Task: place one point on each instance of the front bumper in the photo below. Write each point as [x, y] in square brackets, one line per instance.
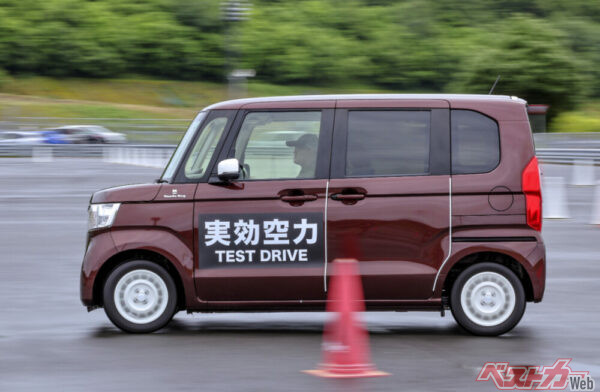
[101, 247]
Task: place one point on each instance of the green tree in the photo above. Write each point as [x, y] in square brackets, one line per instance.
[547, 51]
[533, 61]
[583, 39]
[296, 45]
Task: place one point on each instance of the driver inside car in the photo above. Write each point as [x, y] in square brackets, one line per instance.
[305, 154]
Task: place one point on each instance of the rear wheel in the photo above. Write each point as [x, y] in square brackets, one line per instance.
[487, 299]
[140, 296]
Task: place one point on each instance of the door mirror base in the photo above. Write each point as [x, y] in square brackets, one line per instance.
[214, 180]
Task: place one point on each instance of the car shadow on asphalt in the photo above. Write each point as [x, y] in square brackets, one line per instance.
[178, 327]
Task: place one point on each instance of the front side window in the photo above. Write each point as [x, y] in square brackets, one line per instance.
[169, 172]
[388, 143]
[475, 143]
[278, 145]
[202, 152]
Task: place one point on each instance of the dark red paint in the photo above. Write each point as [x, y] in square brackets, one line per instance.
[399, 230]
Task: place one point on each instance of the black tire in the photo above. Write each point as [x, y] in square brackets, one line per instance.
[479, 327]
[148, 276]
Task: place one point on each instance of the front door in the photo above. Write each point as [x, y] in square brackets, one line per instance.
[389, 194]
[261, 239]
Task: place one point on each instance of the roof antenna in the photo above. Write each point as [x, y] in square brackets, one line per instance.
[494, 86]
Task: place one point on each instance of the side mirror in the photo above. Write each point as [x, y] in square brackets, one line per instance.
[228, 169]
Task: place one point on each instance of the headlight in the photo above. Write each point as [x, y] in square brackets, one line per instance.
[102, 215]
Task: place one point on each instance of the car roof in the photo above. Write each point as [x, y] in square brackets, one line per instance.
[239, 103]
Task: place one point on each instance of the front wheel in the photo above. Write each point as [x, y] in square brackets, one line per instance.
[487, 299]
[140, 296]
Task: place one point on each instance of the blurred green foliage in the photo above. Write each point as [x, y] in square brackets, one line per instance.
[540, 69]
[584, 119]
[547, 51]
[3, 77]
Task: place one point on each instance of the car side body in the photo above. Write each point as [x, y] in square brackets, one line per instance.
[414, 232]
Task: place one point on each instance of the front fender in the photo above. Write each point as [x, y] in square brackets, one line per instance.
[106, 246]
[100, 248]
[165, 243]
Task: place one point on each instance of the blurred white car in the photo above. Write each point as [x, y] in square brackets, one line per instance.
[84, 134]
[11, 138]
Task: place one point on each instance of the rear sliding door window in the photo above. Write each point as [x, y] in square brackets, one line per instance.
[388, 143]
[475, 142]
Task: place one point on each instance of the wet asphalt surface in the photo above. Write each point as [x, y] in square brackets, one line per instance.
[48, 341]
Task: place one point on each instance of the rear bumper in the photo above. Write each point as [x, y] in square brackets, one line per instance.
[537, 271]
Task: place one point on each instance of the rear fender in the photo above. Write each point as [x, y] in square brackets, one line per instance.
[518, 251]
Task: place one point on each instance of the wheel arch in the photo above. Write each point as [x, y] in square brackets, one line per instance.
[137, 254]
[488, 256]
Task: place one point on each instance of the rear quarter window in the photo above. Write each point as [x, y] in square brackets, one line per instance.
[475, 142]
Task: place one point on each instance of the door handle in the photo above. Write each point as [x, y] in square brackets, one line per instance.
[299, 198]
[348, 196]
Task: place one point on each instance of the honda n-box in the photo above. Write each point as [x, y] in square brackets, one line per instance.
[437, 197]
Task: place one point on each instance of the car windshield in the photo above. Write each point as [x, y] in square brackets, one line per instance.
[182, 148]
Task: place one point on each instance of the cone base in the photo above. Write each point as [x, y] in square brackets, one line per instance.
[326, 373]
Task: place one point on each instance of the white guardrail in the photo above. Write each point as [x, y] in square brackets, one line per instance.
[152, 155]
[570, 140]
[567, 148]
[568, 155]
[561, 148]
[160, 153]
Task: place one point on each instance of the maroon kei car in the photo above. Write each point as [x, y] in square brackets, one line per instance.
[437, 196]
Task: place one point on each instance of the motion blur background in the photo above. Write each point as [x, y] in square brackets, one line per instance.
[143, 68]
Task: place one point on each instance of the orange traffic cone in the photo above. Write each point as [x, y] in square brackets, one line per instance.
[345, 340]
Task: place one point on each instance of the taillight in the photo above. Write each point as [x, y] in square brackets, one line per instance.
[533, 194]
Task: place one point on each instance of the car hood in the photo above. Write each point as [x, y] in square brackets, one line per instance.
[127, 193]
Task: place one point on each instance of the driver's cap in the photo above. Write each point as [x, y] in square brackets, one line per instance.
[307, 141]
